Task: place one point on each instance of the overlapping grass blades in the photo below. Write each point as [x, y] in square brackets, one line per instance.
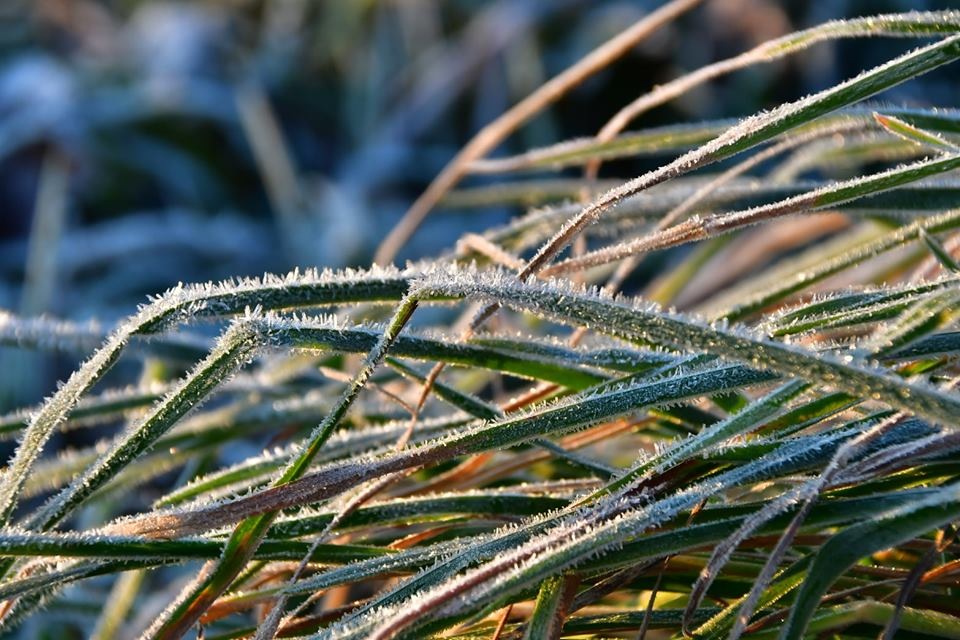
[584, 449]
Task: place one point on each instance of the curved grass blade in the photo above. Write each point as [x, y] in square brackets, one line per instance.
[548, 615]
[604, 146]
[923, 622]
[860, 540]
[247, 536]
[751, 132]
[908, 132]
[547, 550]
[177, 305]
[851, 309]
[920, 319]
[697, 228]
[237, 346]
[756, 301]
[81, 545]
[556, 418]
[644, 323]
[907, 24]
[648, 142]
[748, 418]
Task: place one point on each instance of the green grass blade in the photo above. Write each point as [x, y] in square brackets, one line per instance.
[178, 305]
[855, 542]
[644, 323]
[715, 225]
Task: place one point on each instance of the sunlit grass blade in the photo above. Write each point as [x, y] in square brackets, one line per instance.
[643, 323]
[920, 319]
[857, 541]
[914, 134]
[548, 611]
[553, 419]
[575, 152]
[758, 300]
[696, 229]
[176, 306]
[849, 309]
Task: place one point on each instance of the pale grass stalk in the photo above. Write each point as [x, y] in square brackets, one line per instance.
[497, 131]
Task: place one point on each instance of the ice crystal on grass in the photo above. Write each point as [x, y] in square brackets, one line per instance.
[561, 441]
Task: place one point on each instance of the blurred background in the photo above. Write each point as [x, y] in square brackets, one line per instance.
[144, 143]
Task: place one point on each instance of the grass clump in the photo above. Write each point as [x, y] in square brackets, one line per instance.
[770, 451]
